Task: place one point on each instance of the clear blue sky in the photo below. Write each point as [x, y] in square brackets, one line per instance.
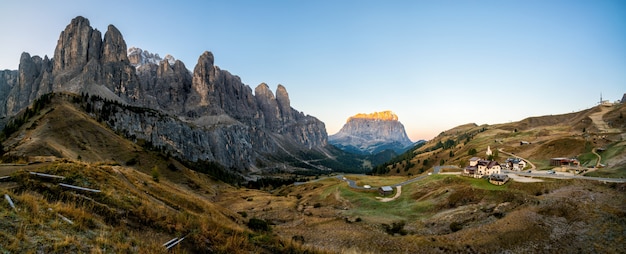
[436, 64]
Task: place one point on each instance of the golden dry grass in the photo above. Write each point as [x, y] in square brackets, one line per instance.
[518, 217]
[132, 213]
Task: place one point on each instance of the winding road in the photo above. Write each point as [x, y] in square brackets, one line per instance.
[352, 183]
[559, 176]
[599, 157]
[437, 169]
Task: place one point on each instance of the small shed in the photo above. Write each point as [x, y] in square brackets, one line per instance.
[385, 190]
[498, 179]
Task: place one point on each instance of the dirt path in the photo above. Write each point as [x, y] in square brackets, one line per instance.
[599, 157]
[597, 119]
[398, 193]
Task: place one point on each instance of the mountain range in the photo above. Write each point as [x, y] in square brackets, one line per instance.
[122, 151]
[206, 114]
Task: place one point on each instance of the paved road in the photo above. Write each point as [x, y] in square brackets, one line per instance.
[437, 169]
[352, 183]
[559, 176]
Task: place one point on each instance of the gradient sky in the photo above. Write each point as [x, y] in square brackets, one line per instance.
[436, 64]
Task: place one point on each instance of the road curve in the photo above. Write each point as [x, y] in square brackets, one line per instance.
[597, 155]
[353, 184]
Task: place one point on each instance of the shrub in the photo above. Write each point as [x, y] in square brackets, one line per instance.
[133, 161]
[172, 167]
[395, 228]
[259, 225]
[456, 226]
[298, 239]
[243, 214]
[155, 174]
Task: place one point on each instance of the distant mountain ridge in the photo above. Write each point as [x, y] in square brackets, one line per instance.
[371, 134]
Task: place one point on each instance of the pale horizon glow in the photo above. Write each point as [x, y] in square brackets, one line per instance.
[436, 64]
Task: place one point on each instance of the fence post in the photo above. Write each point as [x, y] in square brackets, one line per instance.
[6, 196]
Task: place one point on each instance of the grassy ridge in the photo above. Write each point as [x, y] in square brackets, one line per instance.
[132, 213]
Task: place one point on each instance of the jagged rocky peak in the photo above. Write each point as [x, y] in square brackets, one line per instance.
[372, 133]
[283, 97]
[114, 49]
[139, 57]
[263, 91]
[77, 44]
[85, 62]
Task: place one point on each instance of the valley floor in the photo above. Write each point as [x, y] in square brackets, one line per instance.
[444, 213]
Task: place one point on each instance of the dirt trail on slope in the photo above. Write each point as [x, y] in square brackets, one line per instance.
[598, 121]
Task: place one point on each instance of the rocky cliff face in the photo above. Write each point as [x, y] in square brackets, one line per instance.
[371, 134]
[207, 114]
[8, 80]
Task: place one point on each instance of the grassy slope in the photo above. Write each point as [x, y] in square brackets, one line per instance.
[134, 213]
[521, 217]
[441, 213]
[549, 136]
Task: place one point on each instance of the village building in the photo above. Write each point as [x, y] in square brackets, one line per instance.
[492, 170]
[479, 168]
[498, 179]
[559, 162]
[515, 164]
[385, 190]
[474, 161]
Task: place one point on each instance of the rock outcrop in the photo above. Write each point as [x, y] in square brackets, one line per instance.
[371, 134]
[139, 57]
[207, 114]
[8, 80]
[34, 79]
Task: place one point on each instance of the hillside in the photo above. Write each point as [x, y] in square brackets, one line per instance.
[148, 198]
[145, 197]
[444, 214]
[62, 130]
[537, 139]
